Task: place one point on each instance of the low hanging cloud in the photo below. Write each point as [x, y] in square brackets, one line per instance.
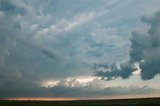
[144, 50]
[61, 90]
[124, 71]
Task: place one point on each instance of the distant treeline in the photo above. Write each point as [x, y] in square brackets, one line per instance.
[113, 102]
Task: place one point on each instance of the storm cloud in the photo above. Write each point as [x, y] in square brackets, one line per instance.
[113, 71]
[55, 40]
[145, 48]
[82, 92]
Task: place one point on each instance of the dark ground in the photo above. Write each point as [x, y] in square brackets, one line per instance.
[117, 102]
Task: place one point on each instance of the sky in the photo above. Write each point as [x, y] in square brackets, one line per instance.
[81, 49]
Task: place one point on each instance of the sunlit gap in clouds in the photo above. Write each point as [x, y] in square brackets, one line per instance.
[129, 96]
[49, 83]
[78, 81]
[42, 99]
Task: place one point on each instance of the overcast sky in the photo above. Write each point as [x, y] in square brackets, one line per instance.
[79, 48]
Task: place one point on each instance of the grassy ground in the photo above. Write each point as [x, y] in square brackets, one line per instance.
[119, 102]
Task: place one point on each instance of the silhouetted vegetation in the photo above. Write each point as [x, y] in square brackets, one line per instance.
[118, 102]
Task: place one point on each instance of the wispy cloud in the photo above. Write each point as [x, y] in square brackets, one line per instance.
[68, 25]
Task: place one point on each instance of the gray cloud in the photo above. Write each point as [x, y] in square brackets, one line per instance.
[149, 45]
[62, 91]
[9, 8]
[26, 60]
[13, 29]
[145, 48]
[33, 90]
[113, 71]
[18, 67]
[44, 50]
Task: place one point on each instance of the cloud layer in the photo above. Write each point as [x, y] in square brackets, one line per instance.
[55, 40]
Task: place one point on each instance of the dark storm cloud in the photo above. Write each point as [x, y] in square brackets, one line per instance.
[145, 49]
[8, 7]
[113, 71]
[149, 57]
[100, 65]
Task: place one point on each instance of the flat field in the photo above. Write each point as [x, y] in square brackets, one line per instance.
[117, 102]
